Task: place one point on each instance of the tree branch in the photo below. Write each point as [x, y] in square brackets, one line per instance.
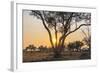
[50, 36]
[67, 24]
[64, 37]
[77, 28]
[66, 28]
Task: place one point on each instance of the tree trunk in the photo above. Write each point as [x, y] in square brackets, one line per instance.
[43, 21]
[50, 37]
[63, 40]
[55, 36]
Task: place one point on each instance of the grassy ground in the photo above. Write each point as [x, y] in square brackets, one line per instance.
[29, 56]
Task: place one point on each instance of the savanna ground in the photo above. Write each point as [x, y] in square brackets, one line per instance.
[32, 56]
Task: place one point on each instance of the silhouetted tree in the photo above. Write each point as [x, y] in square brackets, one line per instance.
[78, 45]
[70, 46]
[87, 37]
[61, 22]
[31, 47]
[43, 48]
[75, 45]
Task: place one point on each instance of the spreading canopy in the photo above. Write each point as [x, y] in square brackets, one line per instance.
[64, 23]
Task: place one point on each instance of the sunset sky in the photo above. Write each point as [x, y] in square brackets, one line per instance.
[35, 33]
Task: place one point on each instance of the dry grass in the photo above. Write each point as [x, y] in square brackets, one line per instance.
[49, 56]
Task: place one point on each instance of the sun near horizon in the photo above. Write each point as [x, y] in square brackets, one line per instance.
[34, 32]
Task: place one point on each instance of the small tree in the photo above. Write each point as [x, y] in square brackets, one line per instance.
[31, 47]
[75, 45]
[43, 48]
[78, 45]
[70, 47]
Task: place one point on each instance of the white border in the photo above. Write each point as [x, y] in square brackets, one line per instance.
[17, 64]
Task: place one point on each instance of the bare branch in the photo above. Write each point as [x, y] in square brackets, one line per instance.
[84, 33]
[77, 28]
[66, 27]
[67, 24]
[50, 36]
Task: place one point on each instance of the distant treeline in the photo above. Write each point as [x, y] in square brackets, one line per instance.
[71, 46]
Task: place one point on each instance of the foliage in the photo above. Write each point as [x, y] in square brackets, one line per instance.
[61, 22]
[75, 45]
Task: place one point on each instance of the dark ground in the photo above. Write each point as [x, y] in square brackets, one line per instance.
[32, 56]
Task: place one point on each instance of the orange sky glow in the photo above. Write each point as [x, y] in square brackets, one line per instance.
[34, 32]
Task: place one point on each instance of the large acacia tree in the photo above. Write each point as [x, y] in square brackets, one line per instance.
[64, 23]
